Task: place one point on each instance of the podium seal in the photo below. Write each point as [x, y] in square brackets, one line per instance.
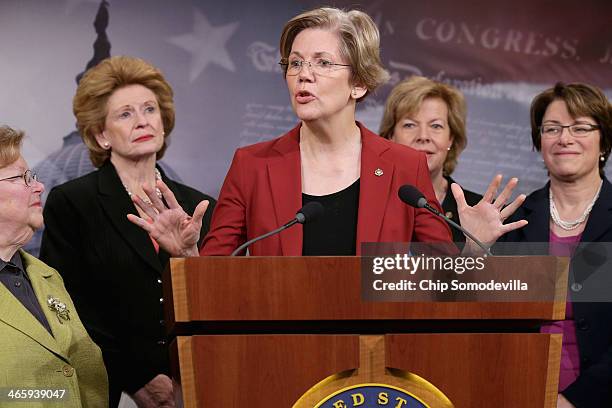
[371, 396]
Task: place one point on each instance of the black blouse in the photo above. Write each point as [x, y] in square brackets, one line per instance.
[335, 232]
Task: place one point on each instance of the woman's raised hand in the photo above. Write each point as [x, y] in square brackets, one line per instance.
[173, 229]
[486, 219]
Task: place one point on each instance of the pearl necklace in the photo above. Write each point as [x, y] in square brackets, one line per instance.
[570, 225]
[157, 190]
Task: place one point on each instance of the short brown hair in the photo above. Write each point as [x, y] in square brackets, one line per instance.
[406, 99]
[359, 41]
[97, 85]
[10, 145]
[581, 100]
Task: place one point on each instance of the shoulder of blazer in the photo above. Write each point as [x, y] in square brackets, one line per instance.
[599, 223]
[80, 185]
[45, 270]
[287, 143]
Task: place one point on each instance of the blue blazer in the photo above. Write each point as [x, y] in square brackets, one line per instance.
[593, 387]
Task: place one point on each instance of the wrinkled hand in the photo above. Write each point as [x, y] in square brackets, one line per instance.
[486, 219]
[157, 393]
[173, 229]
[562, 402]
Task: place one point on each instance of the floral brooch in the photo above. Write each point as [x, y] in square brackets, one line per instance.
[59, 308]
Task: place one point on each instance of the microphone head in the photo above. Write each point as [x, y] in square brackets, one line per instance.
[310, 212]
[411, 195]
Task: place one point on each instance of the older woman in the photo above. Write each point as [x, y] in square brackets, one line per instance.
[125, 113]
[571, 125]
[430, 116]
[44, 345]
[331, 61]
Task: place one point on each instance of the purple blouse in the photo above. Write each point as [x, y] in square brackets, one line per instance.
[570, 357]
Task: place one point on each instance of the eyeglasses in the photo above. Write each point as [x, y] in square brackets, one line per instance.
[320, 66]
[576, 130]
[29, 177]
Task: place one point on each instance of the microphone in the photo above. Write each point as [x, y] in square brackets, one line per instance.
[411, 195]
[307, 213]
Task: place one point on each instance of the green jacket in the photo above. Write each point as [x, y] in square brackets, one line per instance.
[32, 359]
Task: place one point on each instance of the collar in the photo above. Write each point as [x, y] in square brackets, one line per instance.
[537, 213]
[284, 173]
[15, 261]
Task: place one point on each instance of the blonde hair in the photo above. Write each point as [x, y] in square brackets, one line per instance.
[10, 145]
[406, 99]
[359, 41]
[97, 85]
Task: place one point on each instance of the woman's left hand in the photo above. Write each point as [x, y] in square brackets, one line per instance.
[486, 219]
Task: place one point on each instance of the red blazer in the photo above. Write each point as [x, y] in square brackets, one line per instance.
[263, 190]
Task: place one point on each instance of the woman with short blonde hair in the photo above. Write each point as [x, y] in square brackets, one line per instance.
[358, 45]
[430, 116]
[96, 87]
[125, 112]
[406, 98]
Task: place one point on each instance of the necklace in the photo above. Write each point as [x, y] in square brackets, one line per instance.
[570, 225]
[157, 190]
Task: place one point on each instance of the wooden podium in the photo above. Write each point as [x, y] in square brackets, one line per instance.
[288, 331]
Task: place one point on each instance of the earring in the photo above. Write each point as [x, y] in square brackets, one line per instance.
[602, 158]
[106, 145]
[448, 148]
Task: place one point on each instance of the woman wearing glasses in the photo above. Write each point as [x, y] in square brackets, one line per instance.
[44, 343]
[572, 128]
[330, 61]
[125, 112]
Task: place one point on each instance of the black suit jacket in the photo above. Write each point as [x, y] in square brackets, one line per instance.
[112, 271]
[593, 388]
[449, 206]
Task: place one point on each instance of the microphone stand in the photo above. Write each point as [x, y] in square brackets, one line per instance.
[266, 235]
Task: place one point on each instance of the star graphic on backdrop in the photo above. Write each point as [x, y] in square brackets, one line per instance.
[206, 44]
[71, 5]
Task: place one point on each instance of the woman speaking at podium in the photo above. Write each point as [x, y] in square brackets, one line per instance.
[331, 62]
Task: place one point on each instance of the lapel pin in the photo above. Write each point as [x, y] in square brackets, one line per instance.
[378, 172]
[59, 308]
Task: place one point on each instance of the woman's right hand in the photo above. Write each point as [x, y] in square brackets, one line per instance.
[173, 229]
